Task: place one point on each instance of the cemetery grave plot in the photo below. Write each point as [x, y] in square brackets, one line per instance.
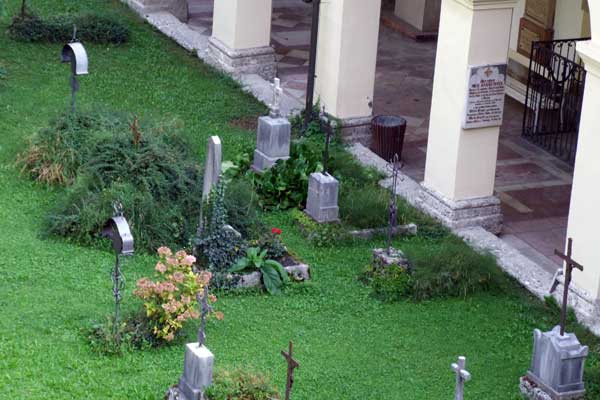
[349, 346]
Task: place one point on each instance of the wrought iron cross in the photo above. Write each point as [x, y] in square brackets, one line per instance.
[205, 309]
[328, 133]
[292, 364]
[462, 376]
[394, 165]
[570, 264]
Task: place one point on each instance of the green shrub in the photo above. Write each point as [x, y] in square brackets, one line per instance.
[319, 235]
[243, 209]
[366, 207]
[390, 284]
[274, 276]
[90, 28]
[134, 333]
[102, 160]
[241, 385]
[450, 268]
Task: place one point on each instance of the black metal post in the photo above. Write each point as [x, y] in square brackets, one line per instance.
[312, 63]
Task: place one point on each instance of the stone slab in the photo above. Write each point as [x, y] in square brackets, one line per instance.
[197, 371]
[272, 142]
[299, 272]
[322, 202]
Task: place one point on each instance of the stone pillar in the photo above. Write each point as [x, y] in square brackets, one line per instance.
[461, 163]
[241, 38]
[584, 216]
[346, 60]
[423, 15]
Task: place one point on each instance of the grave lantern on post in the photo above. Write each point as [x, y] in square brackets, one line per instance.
[74, 53]
[118, 231]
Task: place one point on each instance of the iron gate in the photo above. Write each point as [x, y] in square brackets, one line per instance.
[554, 96]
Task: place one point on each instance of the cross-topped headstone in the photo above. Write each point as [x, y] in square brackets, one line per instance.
[570, 264]
[462, 376]
[394, 165]
[328, 132]
[205, 309]
[292, 364]
[276, 103]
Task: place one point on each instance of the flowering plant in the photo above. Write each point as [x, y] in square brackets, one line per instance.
[171, 299]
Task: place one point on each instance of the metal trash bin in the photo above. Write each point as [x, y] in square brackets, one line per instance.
[387, 132]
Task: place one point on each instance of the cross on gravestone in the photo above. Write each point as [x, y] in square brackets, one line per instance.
[212, 168]
[328, 133]
[292, 364]
[462, 376]
[394, 165]
[205, 309]
[570, 264]
[276, 103]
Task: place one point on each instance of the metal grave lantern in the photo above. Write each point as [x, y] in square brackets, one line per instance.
[74, 53]
[118, 231]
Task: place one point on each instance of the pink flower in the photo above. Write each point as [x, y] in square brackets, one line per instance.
[186, 299]
[178, 277]
[188, 260]
[204, 277]
[172, 261]
[212, 298]
[164, 251]
[160, 267]
[170, 337]
[180, 254]
[219, 315]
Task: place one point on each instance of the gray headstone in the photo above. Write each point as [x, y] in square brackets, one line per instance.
[197, 372]
[322, 202]
[557, 364]
[212, 168]
[272, 142]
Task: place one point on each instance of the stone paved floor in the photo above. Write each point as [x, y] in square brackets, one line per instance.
[533, 185]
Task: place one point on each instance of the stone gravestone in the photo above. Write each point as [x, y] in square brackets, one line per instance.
[273, 134]
[212, 169]
[323, 189]
[558, 358]
[485, 97]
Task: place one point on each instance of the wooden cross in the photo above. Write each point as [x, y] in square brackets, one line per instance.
[462, 376]
[570, 264]
[292, 364]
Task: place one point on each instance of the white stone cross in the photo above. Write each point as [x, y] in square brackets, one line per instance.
[462, 376]
[277, 93]
[212, 168]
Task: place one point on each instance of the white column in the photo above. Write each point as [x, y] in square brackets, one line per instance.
[241, 38]
[346, 59]
[461, 163]
[584, 214]
[424, 15]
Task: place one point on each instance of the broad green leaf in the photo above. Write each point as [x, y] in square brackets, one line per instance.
[271, 279]
[240, 265]
[280, 269]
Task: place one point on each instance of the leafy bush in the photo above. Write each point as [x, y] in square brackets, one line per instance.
[241, 385]
[390, 284]
[103, 160]
[219, 245]
[274, 276]
[27, 27]
[171, 299]
[134, 333]
[450, 268]
[319, 235]
[271, 242]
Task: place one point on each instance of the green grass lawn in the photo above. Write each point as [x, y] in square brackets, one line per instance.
[349, 345]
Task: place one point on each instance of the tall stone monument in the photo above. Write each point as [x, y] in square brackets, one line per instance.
[273, 135]
[212, 168]
[558, 360]
[323, 189]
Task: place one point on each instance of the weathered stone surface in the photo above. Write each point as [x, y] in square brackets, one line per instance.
[260, 60]
[531, 391]
[197, 372]
[322, 202]
[557, 364]
[383, 258]
[273, 140]
[485, 212]
[409, 229]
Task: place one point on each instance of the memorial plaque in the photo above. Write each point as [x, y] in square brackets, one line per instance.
[541, 12]
[485, 96]
[530, 32]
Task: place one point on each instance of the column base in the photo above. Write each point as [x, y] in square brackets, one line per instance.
[484, 211]
[357, 130]
[259, 60]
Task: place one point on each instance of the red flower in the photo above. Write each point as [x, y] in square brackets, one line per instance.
[276, 231]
